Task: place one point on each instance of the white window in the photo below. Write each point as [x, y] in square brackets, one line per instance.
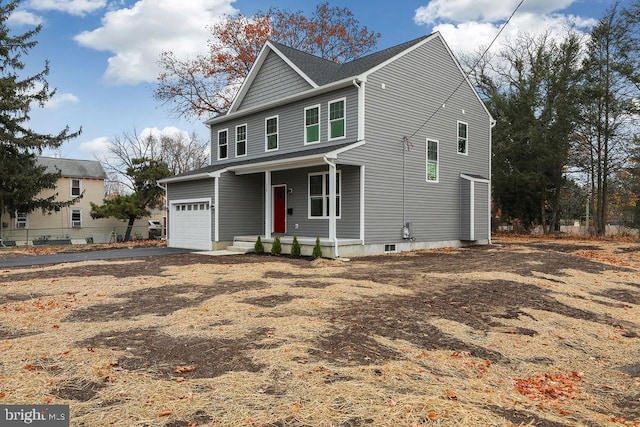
[76, 189]
[312, 124]
[462, 138]
[76, 218]
[271, 133]
[319, 195]
[433, 168]
[21, 220]
[241, 140]
[223, 144]
[337, 119]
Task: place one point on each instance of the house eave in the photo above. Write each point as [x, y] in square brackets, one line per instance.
[183, 178]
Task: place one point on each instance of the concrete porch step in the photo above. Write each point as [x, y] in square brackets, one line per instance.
[240, 246]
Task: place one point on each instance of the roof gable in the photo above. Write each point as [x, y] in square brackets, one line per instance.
[70, 168]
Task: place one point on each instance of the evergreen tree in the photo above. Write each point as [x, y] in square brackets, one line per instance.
[259, 246]
[317, 249]
[295, 247]
[276, 247]
[21, 178]
[144, 174]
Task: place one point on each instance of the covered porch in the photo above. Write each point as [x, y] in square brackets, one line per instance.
[345, 247]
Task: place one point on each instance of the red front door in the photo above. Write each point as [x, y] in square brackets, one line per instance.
[279, 208]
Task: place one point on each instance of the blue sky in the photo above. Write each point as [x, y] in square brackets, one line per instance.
[103, 53]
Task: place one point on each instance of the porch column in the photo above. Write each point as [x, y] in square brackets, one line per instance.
[332, 201]
[216, 207]
[267, 205]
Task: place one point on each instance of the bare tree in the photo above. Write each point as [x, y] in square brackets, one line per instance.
[179, 151]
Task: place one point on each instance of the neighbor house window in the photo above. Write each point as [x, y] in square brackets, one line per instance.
[21, 220]
[337, 119]
[462, 138]
[75, 187]
[223, 144]
[432, 160]
[241, 140]
[319, 195]
[76, 218]
[312, 124]
[271, 133]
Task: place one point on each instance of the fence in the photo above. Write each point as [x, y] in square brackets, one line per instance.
[63, 235]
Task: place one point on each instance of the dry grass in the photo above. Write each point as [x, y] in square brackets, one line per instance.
[526, 333]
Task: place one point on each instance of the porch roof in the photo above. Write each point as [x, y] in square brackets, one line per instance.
[291, 160]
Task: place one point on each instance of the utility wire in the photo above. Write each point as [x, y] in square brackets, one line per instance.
[406, 138]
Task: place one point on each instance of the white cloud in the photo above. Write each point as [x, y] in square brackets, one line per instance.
[97, 146]
[22, 17]
[483, 10]
[61, 99]
[169, 131]
[137, 35]
[73, 7]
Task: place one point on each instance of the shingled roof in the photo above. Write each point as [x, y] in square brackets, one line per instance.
[323, 71]
[71, 168]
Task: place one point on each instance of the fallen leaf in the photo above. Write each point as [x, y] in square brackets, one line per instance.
[165, 413]
[48, 399]
[432, 416]
[296, 406]
[182, 369]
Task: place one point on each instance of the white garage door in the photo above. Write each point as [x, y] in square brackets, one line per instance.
[190, 225]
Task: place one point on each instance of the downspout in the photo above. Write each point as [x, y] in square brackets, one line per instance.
[332, 204]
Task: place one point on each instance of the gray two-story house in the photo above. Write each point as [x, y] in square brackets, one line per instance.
[386, 153]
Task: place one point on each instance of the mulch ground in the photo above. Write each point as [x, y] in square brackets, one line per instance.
[525, 332]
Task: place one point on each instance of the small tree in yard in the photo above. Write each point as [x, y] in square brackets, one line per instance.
[317, 250]
[258, 247]
[145, 175]
[276, 248]
[295, 247]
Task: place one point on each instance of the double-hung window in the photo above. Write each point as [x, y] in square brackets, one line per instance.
[462, 138]
[432, 161]
[271, 133]
[241, 140]
[21, 220]
[76, 218]
[337, 119]
[319, 195]
[76, 189]
[312, 124]
[223, 144]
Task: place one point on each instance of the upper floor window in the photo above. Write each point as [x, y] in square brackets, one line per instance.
[241, 140]
[76, 218]
[337, 119]
[76, 189]
[223, 144]
[432, 160]
[312, 124]
[21, 220]
[271, 133]
[462, 138]
[319, 195]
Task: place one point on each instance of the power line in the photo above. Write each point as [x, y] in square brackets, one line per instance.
[406, 138]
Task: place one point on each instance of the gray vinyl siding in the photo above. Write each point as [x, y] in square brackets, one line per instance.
[290, 127]
[481, 213]
[190, 190]
[241, 200]
[465, 209]
[402, 100]
[275, 79]
[348, 225]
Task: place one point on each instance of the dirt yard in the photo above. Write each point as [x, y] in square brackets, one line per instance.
[525, 332]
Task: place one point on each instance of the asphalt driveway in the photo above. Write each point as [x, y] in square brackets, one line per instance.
[33, 260]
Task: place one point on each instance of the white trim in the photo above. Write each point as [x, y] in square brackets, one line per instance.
[473, 178]
[246, 138]
[71, 218]
[344, 118]
[326, 193]
[362, 198]
[361, 110]
[292, 65]
[266, 139]
[71, 186]
[267, 204]
[437, 180]
[194, 177]
[466, 143]
[226, 130]
[304, 118]
[273, 194]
